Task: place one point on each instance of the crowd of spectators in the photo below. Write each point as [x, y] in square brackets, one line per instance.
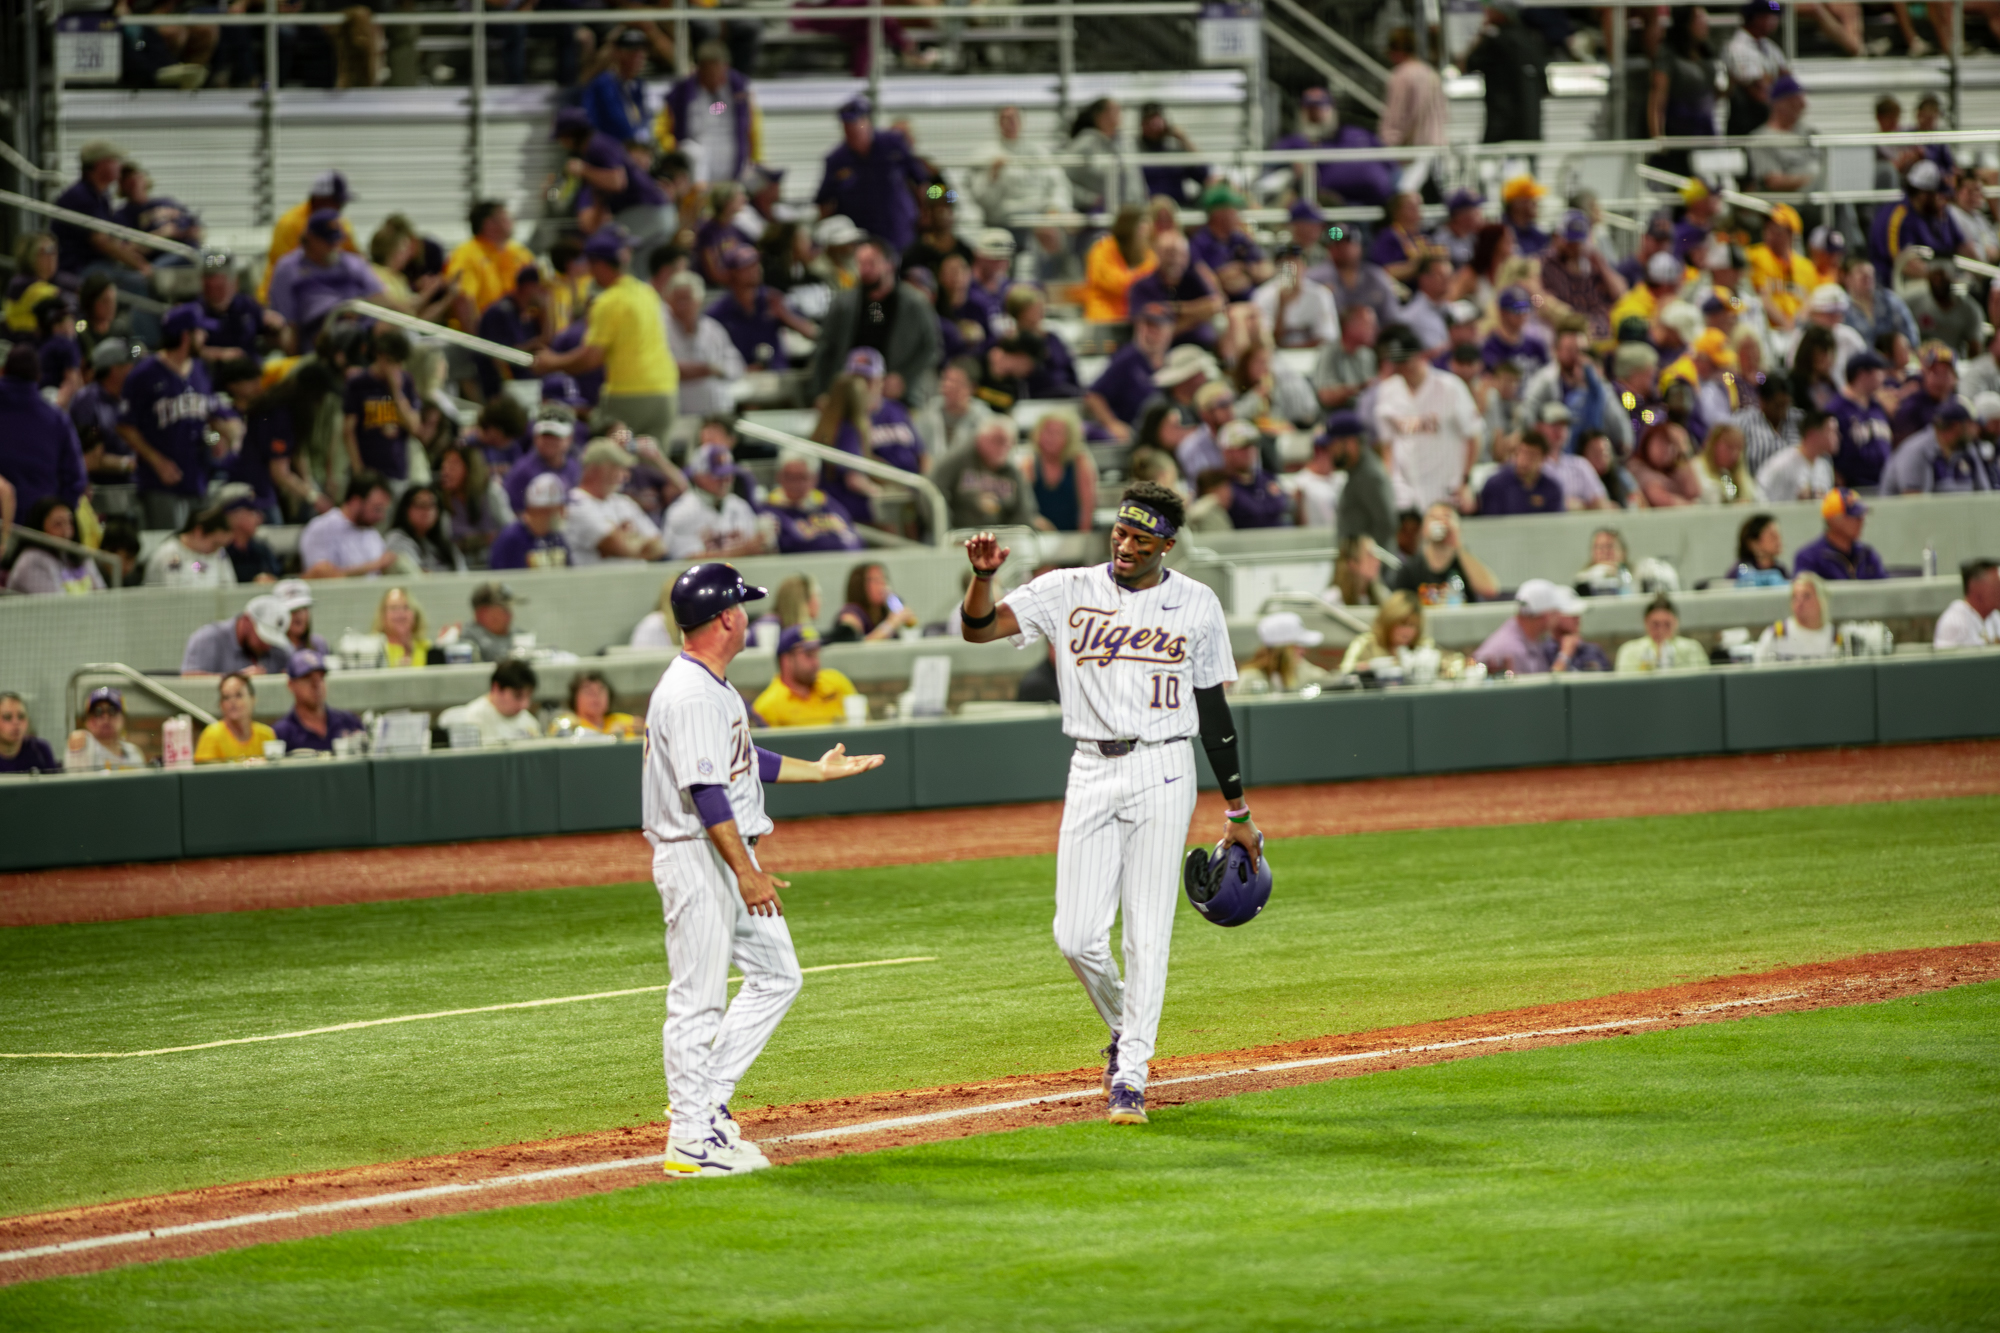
[1504, 361]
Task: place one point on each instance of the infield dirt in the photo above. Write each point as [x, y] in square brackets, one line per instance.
[848, 842]
[1866, 979]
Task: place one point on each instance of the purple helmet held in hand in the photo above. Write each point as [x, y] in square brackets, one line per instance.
[1222, 885]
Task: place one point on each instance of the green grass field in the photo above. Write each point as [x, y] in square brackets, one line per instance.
[1366, 931]
[1830, 1170]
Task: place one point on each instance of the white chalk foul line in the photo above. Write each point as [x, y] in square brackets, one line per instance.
[876, 1126]
[839, 1131]
[409, 1018]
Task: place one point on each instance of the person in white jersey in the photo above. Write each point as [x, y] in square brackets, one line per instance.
[1142, 656]
[1430, 423]
[703, 809]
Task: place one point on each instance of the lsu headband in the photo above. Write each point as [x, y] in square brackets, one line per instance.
[1134, 514]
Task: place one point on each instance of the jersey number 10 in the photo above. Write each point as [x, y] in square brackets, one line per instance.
[1166, 690]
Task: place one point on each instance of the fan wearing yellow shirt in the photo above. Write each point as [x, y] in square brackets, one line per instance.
[487, 265]
[1664, 276]
[1778, 271]
[627, 337]
[236, 736]
[805, 694]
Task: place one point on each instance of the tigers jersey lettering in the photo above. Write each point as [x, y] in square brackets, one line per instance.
[1127, 663]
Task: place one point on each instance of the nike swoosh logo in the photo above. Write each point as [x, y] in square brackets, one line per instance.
[1171, 608]
[1170, 781]
[1227, 740]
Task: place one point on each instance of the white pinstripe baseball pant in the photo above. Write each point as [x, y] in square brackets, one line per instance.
[1124, 834]
[708, 1049]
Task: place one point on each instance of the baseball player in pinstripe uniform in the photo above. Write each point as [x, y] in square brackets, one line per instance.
[1142, 656]
[704, 812]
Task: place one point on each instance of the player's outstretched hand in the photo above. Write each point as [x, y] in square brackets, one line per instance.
[986, 553]
[838, 763]
[1248, 835]
[760, 893]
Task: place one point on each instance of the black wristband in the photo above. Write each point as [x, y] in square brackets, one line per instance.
[979, 622]
[982, 575]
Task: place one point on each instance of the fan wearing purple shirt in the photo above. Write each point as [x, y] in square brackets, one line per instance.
[550, 452]
[1185, 288]
[807, 521]
[1510, 339]
[39, 453]
[1522, 487]
[869, 177]
[1344, 182]
[753, 314]
[311, 725]
[1866, 437]
[610, 183]
[1116, 397]
[1257, 499]
[518, 320]
[241, 323]
[79, 250]
[169, 407]
[1054, 375]
[309, 282]
[270, 443]
[1222, 244]
[21, 752]
[1937, 384]
[380, 409]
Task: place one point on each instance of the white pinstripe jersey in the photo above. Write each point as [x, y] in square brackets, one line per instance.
[698, 731]
[1127, 663]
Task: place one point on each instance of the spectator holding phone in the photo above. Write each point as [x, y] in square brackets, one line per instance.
[1664, 647]
[873, 611]
[1443, 572]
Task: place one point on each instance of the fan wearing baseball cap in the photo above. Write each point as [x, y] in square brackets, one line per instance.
[535, 540]
[100, 743]
[1940, 458]
[253, 641]
[602, 522]
[1839, 552]
[710, 520]
[1919, 219]
[1522, 645]
[311, 725]
[803, 693]
[328, 194]
[170, 407]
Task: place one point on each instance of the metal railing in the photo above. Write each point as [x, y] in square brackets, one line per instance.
[132, 676]
[924, 487]
[513, 356]
[114, 567]
[122, 232]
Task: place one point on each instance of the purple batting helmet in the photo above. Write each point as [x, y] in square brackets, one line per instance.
[1222, 885]
[706, 591]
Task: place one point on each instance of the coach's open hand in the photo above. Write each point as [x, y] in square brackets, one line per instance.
[838, 763]
[986, 553]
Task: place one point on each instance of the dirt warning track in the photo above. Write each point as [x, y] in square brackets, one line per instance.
[83, 1240]
[847, 842]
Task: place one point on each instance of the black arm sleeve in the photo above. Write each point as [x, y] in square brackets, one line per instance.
[1218, 737]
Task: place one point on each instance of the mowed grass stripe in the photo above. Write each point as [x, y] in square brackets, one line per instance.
[1365, 932]
[1838, 1169]
[413, 1018]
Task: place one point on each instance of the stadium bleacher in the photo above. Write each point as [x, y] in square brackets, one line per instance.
[237, 157]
